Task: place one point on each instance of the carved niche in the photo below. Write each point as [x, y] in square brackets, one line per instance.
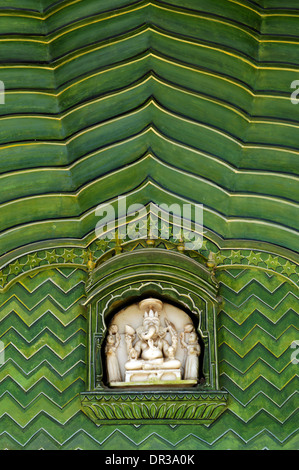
[152, 346]
[152, 343]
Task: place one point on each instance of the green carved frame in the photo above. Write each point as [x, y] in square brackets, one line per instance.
[175, 278]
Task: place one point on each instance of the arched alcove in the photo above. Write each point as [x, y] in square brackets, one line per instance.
[187, 294]
[152, 342]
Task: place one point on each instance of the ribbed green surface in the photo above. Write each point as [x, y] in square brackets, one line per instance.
[193, 98]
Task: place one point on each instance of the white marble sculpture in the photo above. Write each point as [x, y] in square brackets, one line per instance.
[112, 343]
[152, 352]
[193, 352]
[149, 349]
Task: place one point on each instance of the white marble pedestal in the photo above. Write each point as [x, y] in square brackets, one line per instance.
[153, 375]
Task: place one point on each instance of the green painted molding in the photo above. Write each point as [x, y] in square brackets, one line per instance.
[146, 407]
[100, 250]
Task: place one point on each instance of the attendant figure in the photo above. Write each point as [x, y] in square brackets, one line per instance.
[112, 343]
[193, 352]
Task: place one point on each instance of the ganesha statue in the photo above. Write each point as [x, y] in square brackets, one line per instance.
[152, 346]
[151, 351]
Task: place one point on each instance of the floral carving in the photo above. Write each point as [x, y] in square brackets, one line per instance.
[201, 407]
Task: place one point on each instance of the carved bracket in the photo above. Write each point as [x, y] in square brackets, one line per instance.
[163, 408]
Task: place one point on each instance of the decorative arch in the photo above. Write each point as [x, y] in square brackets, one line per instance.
[174, 278]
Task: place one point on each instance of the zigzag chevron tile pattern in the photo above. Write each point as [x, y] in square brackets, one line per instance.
[43, 330]
[44, 371]
[254, 348]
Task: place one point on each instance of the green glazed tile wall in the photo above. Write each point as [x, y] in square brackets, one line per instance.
[163, 101]
[44, 328]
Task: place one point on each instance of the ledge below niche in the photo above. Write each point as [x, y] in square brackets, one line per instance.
[140, 407]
